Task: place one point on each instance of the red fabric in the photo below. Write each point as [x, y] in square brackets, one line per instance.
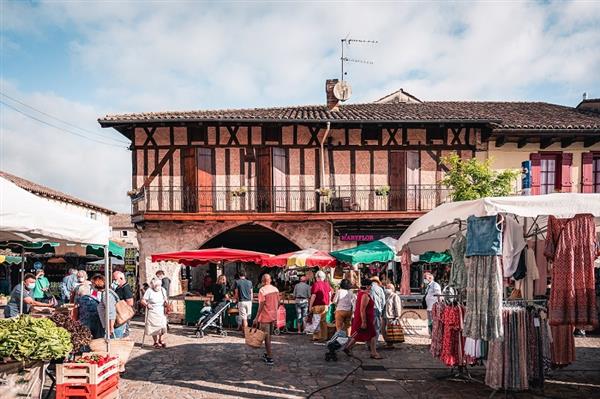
[563, 345]
[570, 244]
[269, 295]
[452, 340]
[541, 284]
[195, 258]
[405, 281]
[317, 259]
[322, 291]
[364, 335]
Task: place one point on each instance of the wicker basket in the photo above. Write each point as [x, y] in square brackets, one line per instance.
[254, 337]
[118, 347]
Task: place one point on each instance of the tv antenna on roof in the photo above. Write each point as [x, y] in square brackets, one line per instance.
[346, 42]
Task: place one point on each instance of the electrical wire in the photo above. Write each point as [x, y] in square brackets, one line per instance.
[60, 120]
[60, 128]
[341, 381]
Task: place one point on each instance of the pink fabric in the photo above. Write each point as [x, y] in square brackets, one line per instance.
[405, 281]
[269, 294]
[539, 285]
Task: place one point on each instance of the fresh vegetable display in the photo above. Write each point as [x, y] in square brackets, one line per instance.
[26, 338]
[80, 334]
[96, 359]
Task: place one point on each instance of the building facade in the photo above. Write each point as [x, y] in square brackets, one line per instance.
[123, 230]
[326, 177]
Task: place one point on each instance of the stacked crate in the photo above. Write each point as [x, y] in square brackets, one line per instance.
[87, 381]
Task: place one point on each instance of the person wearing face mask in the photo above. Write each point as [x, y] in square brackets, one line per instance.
[82, 287]
[431, 291]
[41, 291]
[13, 306]
[100, 286]
[156, 321]
[87, 300]
[123, 290]
[391, 316]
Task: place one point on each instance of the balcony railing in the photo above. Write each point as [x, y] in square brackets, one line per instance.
[290, 199]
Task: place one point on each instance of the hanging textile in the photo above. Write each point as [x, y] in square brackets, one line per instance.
[541, 284]
[452, 340]
[458, 273]
[512, 245]
[484, 236]
[405, 264]
[437, 330]
[525, 285]
[519, 361]
[570, 245]
[563, 345]
[483, 318]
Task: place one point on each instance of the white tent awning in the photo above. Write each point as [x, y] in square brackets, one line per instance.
[25, 216]
[434, 230]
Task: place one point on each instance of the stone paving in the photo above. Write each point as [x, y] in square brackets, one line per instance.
[224, 367]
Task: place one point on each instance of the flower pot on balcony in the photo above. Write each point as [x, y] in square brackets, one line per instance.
[382, 191]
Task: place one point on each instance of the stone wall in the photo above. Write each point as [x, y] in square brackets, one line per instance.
[170, 237]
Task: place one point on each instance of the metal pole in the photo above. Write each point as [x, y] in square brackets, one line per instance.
[22, 278]
[106, 295]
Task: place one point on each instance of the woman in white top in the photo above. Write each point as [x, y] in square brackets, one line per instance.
[344, 300]
[156, 321]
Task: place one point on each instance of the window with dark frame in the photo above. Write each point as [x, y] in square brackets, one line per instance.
[123, 233]
[271, 134]
[371, 133]
[197, 133]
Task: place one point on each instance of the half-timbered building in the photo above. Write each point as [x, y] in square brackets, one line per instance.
[327, 177]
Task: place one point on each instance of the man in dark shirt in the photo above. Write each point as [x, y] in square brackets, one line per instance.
[243, 296]
[123, 290]
[166, 282]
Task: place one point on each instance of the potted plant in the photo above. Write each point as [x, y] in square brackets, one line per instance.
[382, 191]
[239, 192]
[324, 191]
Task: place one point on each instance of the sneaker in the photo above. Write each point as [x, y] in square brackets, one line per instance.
[264, 357]
[269, 361]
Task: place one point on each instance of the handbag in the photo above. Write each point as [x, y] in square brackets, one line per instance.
[168, 306]
[254, 337]
[394, 334]
[124, 313]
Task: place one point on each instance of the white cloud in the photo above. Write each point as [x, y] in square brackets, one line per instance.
[189, 55]
[59, 160]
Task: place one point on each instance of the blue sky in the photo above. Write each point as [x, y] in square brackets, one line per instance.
[80, 60]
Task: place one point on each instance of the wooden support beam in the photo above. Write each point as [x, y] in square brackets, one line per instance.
[500, 141]
[567, 141]
[546, 142]
[590, 141]
[522, 142]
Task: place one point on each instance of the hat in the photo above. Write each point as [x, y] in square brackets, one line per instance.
[375, 279]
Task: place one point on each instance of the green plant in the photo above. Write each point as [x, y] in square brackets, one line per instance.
[382, 191]
[239, 192]
[470, 179]
[27, 338]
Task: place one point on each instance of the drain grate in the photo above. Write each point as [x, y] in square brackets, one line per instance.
[372, 367]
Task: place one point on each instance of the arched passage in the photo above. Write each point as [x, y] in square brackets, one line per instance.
[253, 237]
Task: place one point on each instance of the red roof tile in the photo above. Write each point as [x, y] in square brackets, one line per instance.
[504, 115]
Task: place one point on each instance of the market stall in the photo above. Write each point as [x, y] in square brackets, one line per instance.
[506, 305]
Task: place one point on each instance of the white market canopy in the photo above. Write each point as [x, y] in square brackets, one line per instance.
[27, 217]
[434, 231]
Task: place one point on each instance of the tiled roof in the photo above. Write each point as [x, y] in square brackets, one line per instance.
[504, 115]
[120, 220]
[43, 191]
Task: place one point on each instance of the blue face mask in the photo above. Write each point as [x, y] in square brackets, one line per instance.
[30, 286]
[114, 285]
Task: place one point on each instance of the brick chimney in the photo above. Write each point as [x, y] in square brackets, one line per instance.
[332, 102]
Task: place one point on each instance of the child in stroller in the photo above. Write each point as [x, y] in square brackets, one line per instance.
[337, 342]
[212, 319]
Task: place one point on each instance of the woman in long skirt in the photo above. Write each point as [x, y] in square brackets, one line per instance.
[156, 321]
[363, 324]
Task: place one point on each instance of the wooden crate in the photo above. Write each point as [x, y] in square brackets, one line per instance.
[84, 373]
[107, 389]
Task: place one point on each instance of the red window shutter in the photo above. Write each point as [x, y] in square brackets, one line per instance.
[565, 175]
[535, 159]
[587, 172]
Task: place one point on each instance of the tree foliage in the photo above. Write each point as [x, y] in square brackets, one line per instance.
[470, 179]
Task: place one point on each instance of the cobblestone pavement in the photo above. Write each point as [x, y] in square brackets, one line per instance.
[224, 367]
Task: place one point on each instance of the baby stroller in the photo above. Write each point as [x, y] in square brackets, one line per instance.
[280, 326]
[212, 320]
[337, 342]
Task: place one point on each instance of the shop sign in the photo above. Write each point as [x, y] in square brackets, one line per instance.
[363, 236]
[129, 259]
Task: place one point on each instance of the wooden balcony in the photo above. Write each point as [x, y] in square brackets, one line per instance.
[287, 203]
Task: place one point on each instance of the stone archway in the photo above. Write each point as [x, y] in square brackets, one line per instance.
[253, 237]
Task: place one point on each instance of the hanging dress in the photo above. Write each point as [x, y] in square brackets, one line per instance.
[458, 273]
[570, 245]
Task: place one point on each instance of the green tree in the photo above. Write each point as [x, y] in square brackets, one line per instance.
[470, 179]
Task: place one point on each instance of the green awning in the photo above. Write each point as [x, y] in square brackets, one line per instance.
[435, 257]
[114, 249]
[10, 260]
[40, 247]
[375, 251]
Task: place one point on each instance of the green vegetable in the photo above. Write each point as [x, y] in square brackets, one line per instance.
[28, 338]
